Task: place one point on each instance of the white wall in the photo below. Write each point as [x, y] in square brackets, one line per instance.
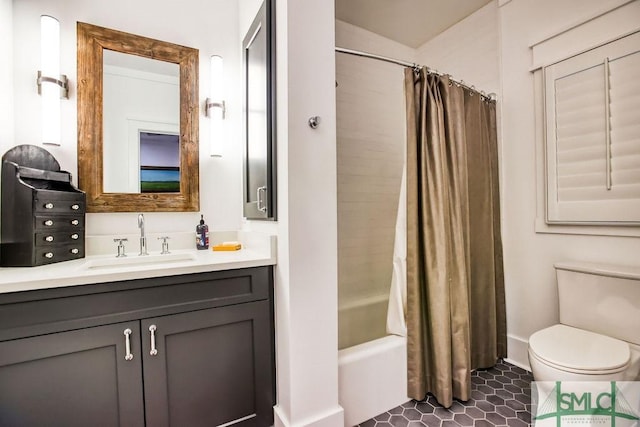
[247, 12]
[211, 27]
[6, 74]
[306, 275]
[468, 51]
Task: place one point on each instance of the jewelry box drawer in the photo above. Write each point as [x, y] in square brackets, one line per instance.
[51, 254]
[59, 222]
[58, 206]
[58, 237]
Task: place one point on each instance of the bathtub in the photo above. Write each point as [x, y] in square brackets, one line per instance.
[372, 378]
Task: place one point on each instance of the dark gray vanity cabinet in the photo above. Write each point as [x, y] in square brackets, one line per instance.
[189, 350]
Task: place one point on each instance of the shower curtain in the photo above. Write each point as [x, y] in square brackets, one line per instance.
[396, 310]
[455, 286]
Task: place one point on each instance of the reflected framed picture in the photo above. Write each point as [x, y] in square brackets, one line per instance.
[159, 162]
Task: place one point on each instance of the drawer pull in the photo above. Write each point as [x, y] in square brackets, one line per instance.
[48, 255]
[48, 239]
[74, 251]
[75, 222]
[48, 206]
[48, 223]
[152, 330]
[75, 207]
[74, 236]
[127, 344]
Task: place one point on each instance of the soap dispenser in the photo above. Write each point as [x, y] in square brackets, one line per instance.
[202, 235]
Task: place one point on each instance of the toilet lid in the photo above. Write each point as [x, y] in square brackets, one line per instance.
[577, 349]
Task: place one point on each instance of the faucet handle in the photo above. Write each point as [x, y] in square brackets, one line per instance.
[120, 243]
[165, 245]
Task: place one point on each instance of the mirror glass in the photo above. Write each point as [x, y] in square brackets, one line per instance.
[141, 124]
[137, 122]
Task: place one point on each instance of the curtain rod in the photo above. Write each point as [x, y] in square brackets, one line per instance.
[379, 57]
[413, 65]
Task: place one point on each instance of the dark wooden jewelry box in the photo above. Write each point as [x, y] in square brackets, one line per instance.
[43, 214]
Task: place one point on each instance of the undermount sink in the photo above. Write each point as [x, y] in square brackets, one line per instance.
[138, 261]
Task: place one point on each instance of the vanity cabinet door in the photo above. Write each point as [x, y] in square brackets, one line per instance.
[212, 367]
[76, 378]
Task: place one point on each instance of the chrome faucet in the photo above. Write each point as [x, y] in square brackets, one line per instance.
[143, 237]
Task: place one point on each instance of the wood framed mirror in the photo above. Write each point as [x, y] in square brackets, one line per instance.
[93, 42]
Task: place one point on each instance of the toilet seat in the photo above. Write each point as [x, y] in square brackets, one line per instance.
[578, 351]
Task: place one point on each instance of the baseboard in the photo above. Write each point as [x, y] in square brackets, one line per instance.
[517, 353]
[513, 362]
[331, 418]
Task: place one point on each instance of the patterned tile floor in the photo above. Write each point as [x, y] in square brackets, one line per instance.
[500, 396]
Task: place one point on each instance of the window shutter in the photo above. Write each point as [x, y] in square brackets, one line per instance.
[625, 126]
[592, 107]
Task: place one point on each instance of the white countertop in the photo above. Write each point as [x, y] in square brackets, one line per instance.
[256, 252]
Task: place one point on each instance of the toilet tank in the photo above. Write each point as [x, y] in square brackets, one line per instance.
[600, 298]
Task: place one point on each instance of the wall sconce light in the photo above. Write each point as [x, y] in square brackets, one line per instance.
[52, 86]
[215, 107]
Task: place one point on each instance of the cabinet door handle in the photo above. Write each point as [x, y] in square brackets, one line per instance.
[262, 204]
[75, 207]
[152, 330]
[127, 344]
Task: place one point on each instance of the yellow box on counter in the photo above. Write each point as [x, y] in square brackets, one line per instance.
[227, 246]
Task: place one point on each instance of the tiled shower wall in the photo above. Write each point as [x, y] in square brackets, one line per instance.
[370, 154]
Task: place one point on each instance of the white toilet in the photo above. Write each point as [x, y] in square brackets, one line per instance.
[598, 338]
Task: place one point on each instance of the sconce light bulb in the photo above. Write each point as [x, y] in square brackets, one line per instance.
[50, 67]
[217, 78]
